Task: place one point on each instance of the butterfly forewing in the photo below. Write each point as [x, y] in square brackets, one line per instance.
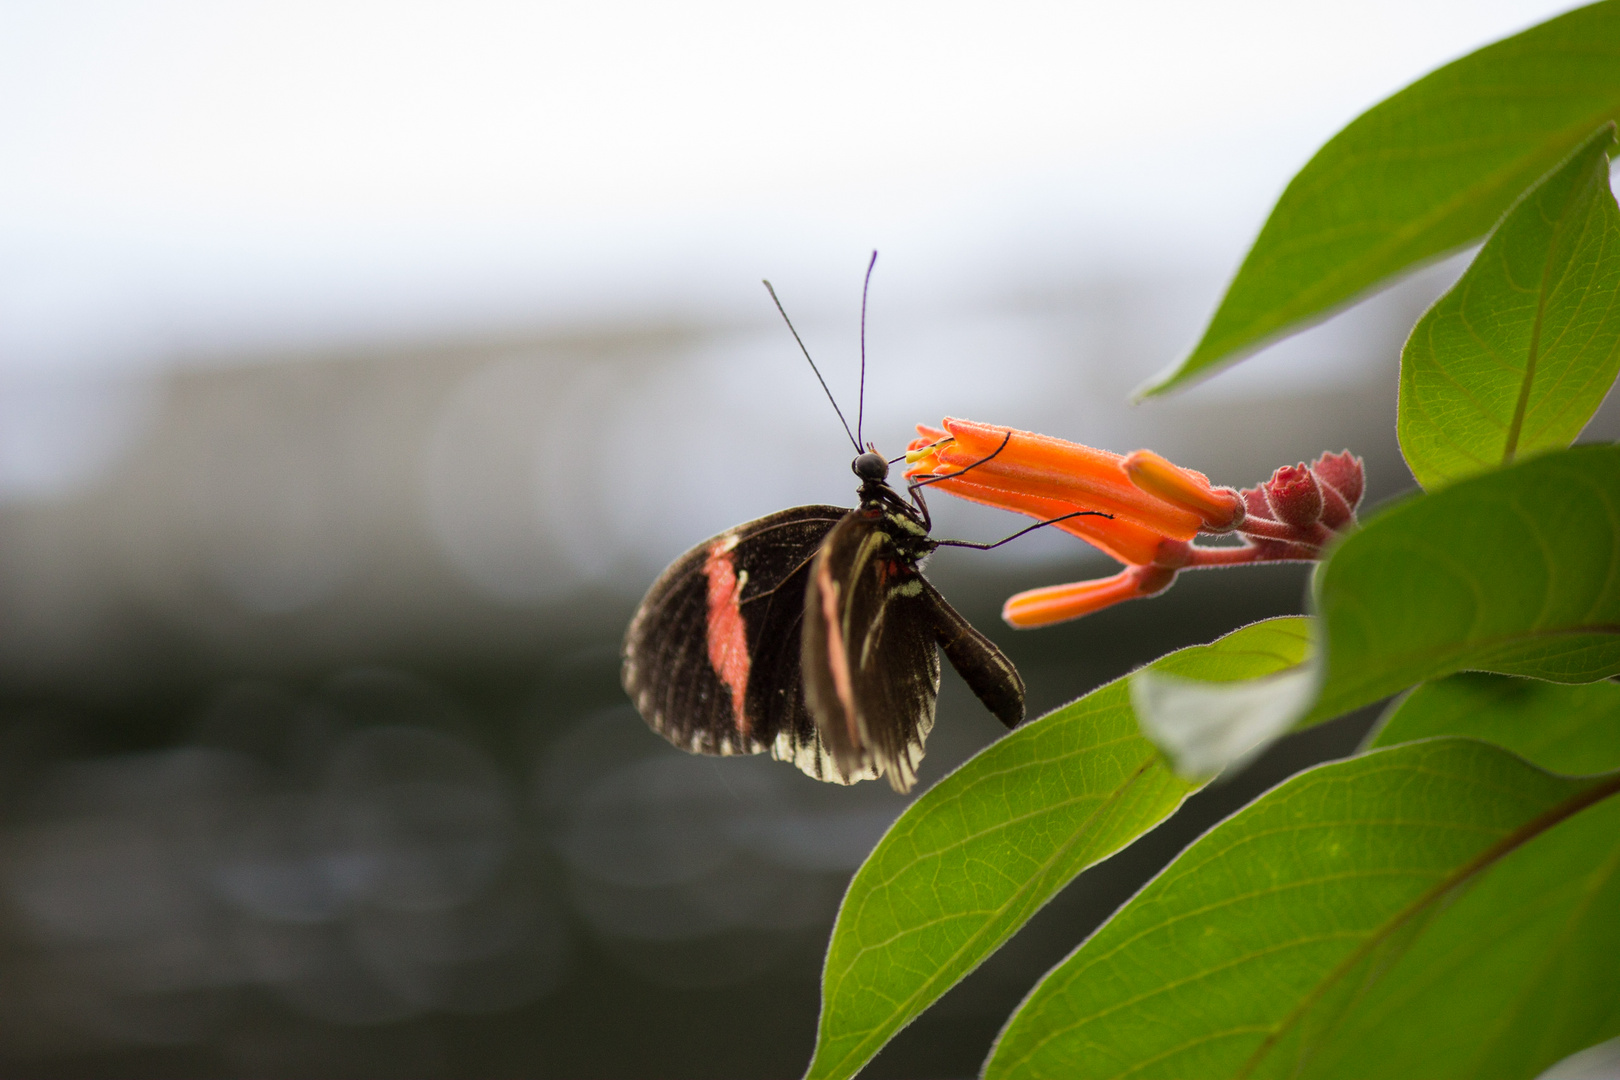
[711, 658]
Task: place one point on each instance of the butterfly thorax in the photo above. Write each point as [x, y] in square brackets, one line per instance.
[900, 521]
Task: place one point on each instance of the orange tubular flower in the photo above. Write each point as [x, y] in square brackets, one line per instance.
[1157, 508]
[1048, 468]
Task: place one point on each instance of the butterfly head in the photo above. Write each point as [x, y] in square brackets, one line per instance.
[871, 467]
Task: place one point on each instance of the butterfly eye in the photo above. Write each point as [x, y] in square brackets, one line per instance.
[870, 466]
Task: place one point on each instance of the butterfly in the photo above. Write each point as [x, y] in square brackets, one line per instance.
[812, 634]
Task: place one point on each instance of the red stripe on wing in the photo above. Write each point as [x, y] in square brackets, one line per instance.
[727, 634]
[837, 652]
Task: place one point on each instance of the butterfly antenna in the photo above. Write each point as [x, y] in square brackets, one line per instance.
[815, 369]
[860, 404]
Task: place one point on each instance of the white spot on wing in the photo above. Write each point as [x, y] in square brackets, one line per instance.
[812, 759]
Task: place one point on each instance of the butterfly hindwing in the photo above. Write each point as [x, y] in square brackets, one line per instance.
[711, 658]
[873, 626]
[871, 666]
[774, 615]
[985, 668]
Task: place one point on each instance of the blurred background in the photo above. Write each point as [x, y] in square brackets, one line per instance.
[360, 365]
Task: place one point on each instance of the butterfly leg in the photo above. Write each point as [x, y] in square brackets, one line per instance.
[1038, 525]
[914, 488]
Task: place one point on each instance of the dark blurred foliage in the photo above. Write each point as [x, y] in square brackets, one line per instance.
[495, 870]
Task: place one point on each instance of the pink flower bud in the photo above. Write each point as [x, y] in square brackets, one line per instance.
[1255, 500]
[1294, 496]
[1336, 513]
[1344, 473]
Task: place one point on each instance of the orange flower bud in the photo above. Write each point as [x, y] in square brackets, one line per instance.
[1060, 603]
[1220, 509]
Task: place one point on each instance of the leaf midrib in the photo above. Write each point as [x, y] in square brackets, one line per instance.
[859, 1051]
[1594, 885]
[1508, 844]
[910, 862]
[1511, 445]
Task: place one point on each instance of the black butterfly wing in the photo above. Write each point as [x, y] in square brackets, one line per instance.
[985, 668]
[871, 669]
[711, 659]
[872, 629]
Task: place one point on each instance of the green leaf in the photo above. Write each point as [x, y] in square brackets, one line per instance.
[1325, 930]
[1422, 173]
[1568, 729]
[971, 860]
[1516, 358]
[1515, 571]
[1517, 974]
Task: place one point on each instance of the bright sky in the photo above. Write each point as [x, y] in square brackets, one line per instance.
[189, 174]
